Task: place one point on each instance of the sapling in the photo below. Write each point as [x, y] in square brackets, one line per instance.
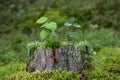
[48, 32]
[71, 24]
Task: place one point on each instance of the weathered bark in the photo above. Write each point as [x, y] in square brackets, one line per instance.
[52, 58]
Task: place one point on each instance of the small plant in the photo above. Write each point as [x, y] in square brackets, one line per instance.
[48, 27]
[48, 33]
[71, 24]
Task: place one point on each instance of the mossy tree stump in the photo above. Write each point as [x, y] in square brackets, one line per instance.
[70, 58]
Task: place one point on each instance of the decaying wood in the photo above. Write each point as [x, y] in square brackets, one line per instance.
[69, 58]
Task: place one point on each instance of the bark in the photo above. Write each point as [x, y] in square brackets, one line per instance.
[69, 58]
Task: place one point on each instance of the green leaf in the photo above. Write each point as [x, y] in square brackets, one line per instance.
[76, 25]
[68, 24]
[51, 26]
[41, 20]
[45, 24]
[44, 34]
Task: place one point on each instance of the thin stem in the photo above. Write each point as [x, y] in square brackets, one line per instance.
[68, 36]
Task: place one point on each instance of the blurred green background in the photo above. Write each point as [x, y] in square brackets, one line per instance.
[99, 20]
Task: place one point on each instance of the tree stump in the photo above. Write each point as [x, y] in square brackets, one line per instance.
[70, 58]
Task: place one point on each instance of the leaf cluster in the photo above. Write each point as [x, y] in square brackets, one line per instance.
[48, 27]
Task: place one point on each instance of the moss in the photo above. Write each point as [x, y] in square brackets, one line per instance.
[107, 64]
[7, 70]
[46, 75]
[53, 43]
